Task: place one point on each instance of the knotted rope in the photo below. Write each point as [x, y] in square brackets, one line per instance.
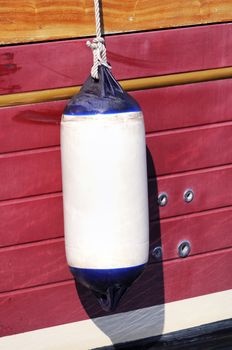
[98, 45]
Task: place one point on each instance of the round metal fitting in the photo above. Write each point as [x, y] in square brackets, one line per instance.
[157, 253]
[162, 199]
[184, 249]
[188, 196]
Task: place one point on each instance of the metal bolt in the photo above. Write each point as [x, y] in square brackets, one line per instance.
[188, 196]
[184, 249]
[157, 253]
[162, 199]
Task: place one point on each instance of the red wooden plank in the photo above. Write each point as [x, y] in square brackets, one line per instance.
[58, 303]
[31, 219]
[68, 63]
[37, 172]
[33, 264]
[37, 125]
[44, 262]
[187, 105]
[30, 126]
[190, 149]
[210, 187]
[30, 173]
[206, 231]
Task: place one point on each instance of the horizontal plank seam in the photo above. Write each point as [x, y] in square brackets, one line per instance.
[31, 198]
[194, 172]
[71, 281]
[207, 252]
[36, 288]
[165, 176]
[109, 34]
[157, 221]
[193, 256]
[179, 130]
[39, 150]
[31, 244]
[186, 129]
[129, 85]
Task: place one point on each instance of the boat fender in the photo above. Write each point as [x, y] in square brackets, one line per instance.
[105, 197]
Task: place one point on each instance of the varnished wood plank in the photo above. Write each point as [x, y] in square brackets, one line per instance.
[191, 148]
[67, 63]
[33, 173]
[206, 231]
[210, 187]
[38, 125]
[31, 219]
[45, 306]
[49, 20]
[128, 85]
[30, 126]
[33, 264]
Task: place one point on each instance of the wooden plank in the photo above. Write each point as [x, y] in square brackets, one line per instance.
[128, 85]
[45, 306]
[30, 173]
[190, 149]
[33, 264]
[38, 125]
[35, 172]
[60, 64]
[48, 20]
[210, 188]
[31, 219]
[213, 227]
[30, 126]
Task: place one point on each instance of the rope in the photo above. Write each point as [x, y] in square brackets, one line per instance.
[98, 45]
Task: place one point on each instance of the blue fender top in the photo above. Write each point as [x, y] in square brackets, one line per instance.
[101, 96]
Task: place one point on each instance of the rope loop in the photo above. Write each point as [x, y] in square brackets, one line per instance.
[99, 55]
[98, 45]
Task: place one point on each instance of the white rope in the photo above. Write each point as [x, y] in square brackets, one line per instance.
[97, 45]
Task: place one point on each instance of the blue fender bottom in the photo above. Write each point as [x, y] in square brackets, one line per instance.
[108, 285]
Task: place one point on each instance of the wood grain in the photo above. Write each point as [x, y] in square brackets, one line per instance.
[38, 125]
[29, 173]
[213, 227]
[41, 263]
[67, 63]
[25, 310]
[31, 219]
[210, 187]
[33, 264]
[40, 20]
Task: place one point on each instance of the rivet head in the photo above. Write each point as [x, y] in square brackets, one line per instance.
[188, 196]
[162, 199]
[184, 249]
[157, 253]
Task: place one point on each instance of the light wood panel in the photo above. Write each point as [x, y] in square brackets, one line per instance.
[38, 20]
[62, 64]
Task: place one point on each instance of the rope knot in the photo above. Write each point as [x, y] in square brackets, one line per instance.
[99, 55]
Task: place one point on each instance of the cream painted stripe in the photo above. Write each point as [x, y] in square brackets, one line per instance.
[126, 326]
[129, 85]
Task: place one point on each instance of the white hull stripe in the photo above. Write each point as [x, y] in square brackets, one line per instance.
[128, 326]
